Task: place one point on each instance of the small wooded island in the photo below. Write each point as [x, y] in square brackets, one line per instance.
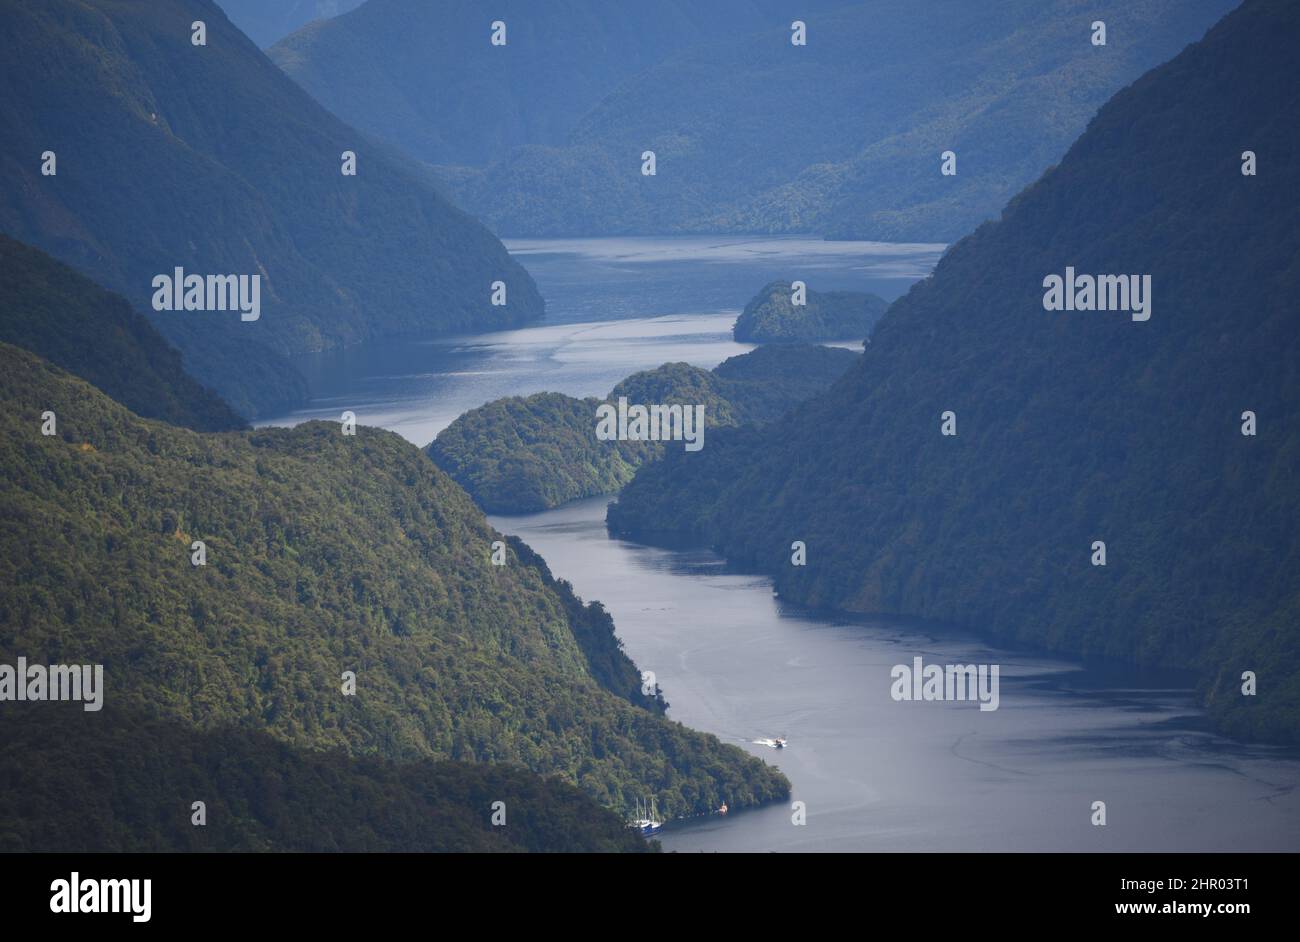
[791, 312]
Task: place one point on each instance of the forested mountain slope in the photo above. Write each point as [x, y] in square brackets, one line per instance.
[208, 158]
[842, 137]
[119, 781]
[329, 559]
[1072, 426]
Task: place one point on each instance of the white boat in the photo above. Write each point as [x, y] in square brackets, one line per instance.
[647, 820]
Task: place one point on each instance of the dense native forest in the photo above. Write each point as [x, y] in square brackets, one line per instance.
[529, 453]
[771, 316]
[828, 146]
[122, 782]
[210, 158]
[1071, 426]
[325, 553]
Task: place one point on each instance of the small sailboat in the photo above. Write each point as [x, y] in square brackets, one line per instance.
[647, 820]
[723, 810]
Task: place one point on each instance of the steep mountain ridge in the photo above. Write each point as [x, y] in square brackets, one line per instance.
[1072, 426]
[208, 158]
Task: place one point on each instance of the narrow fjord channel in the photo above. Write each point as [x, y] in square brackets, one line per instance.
[873, 773]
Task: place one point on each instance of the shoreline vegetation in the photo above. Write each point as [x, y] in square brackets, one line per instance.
[531, 453]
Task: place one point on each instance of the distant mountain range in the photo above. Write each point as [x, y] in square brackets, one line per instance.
[209, 159]
[1073, 428]
[426, 76]
[842, 136]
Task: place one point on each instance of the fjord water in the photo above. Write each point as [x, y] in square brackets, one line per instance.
[874, 774]
[614, 306]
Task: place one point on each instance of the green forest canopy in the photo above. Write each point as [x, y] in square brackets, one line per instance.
[325, 553]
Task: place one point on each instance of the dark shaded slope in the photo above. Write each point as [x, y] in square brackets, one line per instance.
[115, 782]
[1073, 426]
[211, 159]
[66, 318]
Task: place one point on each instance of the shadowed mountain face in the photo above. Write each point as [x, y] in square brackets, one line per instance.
[58, 314]
[325, 557]
[426, 75]
[209, 159]
[1073, 426]
[842, 136]
[265, 21]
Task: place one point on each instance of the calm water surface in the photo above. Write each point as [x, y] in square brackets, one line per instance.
[614, 306]
[876, 774]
